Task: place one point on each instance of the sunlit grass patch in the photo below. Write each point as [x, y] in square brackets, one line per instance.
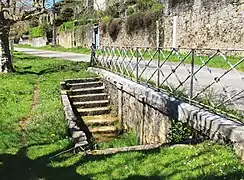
[46, 122]
[38, 156]
[127, 139]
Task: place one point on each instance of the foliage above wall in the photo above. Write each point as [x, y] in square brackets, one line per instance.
[135, 14]
[114, 28]
[129, 7]
[39, 31]
[139, 14]
[36, 32]
[141, 21]
[66, 26]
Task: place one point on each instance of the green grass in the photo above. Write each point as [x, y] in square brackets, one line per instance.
[128, 139]
[81, 50]
[31, 158]
[16, 94]
[204, 161]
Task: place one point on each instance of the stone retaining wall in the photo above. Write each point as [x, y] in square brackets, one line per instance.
[79, 37]
[35, 42]
[150, 112]
[202, 23]
[152, 125]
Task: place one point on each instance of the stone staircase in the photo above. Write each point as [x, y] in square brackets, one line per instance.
[92, 103]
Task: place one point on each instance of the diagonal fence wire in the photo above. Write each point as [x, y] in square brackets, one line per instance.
[211, 78]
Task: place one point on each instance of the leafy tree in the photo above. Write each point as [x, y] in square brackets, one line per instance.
[11, 12]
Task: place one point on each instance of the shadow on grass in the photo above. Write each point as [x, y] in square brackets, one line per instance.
[20, 166]
[59, 68]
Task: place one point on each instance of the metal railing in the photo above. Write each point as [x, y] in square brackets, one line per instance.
[211, 78]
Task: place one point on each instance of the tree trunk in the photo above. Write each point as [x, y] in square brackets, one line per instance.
[5, 55]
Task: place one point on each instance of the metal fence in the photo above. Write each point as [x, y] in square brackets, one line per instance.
[211, 78]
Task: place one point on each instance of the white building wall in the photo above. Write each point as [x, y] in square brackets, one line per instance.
[100, 4]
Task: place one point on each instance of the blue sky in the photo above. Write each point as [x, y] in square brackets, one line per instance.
[49, 3]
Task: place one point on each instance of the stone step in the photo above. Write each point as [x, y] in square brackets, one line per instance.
[104, 137]
[93, 111]
[82, 80]
[100, 120]
[87, 91]
[86, 85]
[89, 97]
[104, 129]
[91, 104]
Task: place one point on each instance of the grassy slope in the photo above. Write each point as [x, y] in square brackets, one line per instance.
[16, 94]
[46, 136]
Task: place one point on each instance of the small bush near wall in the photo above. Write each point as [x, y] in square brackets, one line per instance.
[141, 21]
[39, 31]
[134, 23]
[114, 28]
[104, 24]
[67, 26]
[180, 132]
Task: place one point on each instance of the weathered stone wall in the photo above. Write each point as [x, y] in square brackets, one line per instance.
[80, 37]
[65, 39]
[202, 23]
[35, 42]
[137, 112]
[140, 38]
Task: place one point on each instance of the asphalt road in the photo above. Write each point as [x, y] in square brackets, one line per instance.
[55, 54]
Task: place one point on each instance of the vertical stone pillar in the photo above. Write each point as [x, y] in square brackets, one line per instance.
[167, 6]
[120, 102]
[142, 121]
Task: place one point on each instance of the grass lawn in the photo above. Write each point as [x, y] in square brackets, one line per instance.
[33, 130]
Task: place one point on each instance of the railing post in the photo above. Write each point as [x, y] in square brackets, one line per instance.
[192, 75]
[158, 77]
[137, 64]
[92, 60]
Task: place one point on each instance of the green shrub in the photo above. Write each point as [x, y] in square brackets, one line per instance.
[146, 5]
[134, 23]
[114, 28]
[180, 132]
[105, 19]
[104, 27]
[67, 13]
[34, 22]
[150, 19]
[67, 26]
[36, 32]
[113, 10]
[39, 31]
[104, 24]
[141, 21]
[59, 21]
[130, 10]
